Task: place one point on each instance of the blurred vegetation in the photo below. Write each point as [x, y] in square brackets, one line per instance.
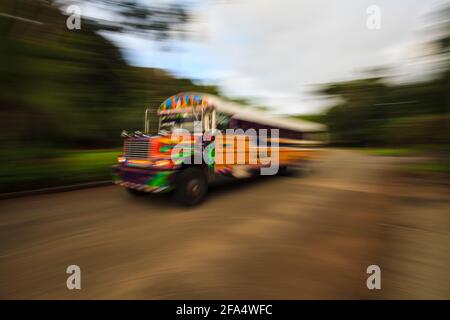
[373, 113]
[393, 120]
[393, 152]
[71, 89]
[136, 17]
[319, 118]
[427, 167]
[62, 167]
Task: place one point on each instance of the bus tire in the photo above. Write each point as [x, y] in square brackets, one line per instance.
[135, 193]
[284, 171]
[191, 187]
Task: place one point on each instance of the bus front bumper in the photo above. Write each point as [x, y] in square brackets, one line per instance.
[145, 180]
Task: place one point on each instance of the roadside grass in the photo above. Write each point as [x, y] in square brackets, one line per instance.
[62, 168]
[433, 162]
[427, 167]
[393, 152]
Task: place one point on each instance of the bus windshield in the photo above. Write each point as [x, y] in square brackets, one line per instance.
[177, 121]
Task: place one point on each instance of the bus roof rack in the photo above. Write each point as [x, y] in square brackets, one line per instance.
[186, 101]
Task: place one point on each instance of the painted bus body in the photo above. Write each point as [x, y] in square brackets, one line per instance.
[147, 163]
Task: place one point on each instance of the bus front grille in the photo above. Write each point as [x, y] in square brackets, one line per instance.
[137, 148]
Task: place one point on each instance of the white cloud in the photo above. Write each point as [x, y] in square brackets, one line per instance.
[275, 51]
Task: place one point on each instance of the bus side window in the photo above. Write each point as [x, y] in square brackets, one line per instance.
[207, 121]
[222, 121]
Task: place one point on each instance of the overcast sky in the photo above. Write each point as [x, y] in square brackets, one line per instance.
[276, 51]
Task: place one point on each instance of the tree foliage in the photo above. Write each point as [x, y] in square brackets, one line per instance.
[71, 89]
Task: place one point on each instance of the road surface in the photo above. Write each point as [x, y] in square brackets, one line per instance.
[268, 238]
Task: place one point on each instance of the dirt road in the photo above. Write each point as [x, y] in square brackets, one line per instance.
[269, 238]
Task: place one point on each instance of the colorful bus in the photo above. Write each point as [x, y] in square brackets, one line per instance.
[202, 137]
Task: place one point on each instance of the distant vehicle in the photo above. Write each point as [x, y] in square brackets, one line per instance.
[201, 137]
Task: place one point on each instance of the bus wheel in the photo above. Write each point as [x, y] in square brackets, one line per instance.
[191, 187]
[136, 193]
[284, 171]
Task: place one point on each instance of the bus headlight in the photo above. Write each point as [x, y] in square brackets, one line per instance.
[163, 163]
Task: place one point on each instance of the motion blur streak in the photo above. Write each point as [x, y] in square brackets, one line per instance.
[379, 196]
[314, 239]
